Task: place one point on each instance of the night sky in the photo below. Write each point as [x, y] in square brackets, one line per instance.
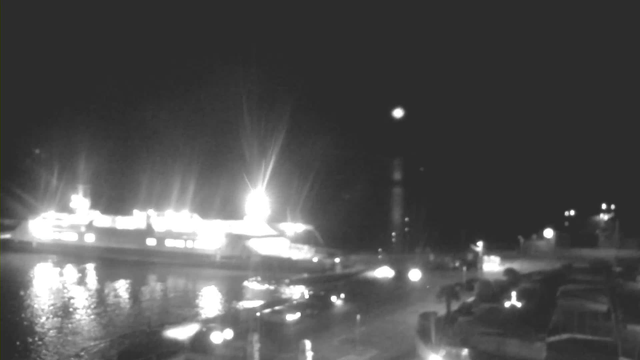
[514, 119]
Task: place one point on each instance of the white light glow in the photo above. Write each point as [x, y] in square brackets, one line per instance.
[177, 243]
[250, 304]
[566, 213]
[137, 221]
[79, 203]
[292, 228]
[216, 337]
[435, 357]
[572, 212]
[334, 298]
[70, 274]
[293, 317]
[491, 267]
[209, 244]
[210, 301]
[103, 221]
[295, 291]
[604, 206]
[89, 237]
[182, 332]
[398, 113]
[271, 246]
[151, 241]
[249, 228]
[41, 229]
[178, 222]
[228, 334]
[384, 272]
[548, 233]
[336, 260]
[342, 296]
[67, 236]
[613, 207]
[514, 301]
[315, 259]
[256, 285]
[257, 205]
[491, 263]
[91, 277]
[415, 275]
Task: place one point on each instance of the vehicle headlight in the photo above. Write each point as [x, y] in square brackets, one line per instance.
[384, 272]
[216, 337]
[182, 332]
[415, 275]
[228, 334]
[293, 317]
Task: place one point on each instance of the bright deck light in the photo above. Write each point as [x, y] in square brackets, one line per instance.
[257, 205]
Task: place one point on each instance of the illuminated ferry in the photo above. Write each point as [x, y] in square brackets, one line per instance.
[178, 237]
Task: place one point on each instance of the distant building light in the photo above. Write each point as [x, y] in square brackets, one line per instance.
[152, 242]
[613, 207]
[572, 212]
[604, 206]
[566, 213]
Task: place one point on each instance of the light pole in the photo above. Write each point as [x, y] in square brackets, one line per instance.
[397, 195]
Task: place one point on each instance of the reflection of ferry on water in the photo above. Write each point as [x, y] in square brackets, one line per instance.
[179, 237]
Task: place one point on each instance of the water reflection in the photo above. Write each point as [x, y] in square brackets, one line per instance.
[117, 294]
[65, 306]
[91, 277]
[209, 301]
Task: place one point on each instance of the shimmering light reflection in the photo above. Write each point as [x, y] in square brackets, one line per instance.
[91, 278]
[70, 274]
[209, 301]
[62, 309]
[117, 293]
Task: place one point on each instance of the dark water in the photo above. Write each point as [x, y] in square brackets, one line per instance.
[53, 306]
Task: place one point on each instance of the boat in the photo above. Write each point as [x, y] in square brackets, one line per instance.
[174, 237]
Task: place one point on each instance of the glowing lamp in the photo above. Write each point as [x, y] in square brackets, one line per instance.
[513, 302]
[257, 205]
[548, 233]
